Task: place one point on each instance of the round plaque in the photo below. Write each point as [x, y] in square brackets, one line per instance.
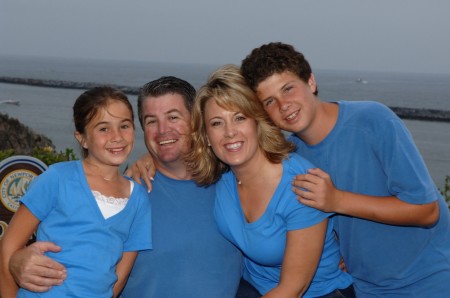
[16, 174]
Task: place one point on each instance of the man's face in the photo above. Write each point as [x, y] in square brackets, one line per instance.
[289, 101]
[167, 129]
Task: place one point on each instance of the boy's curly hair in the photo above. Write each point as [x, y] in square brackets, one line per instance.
[273, 58]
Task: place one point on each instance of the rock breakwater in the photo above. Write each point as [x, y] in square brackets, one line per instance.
[402, 112]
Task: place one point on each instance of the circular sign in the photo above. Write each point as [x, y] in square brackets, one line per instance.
[16, 174]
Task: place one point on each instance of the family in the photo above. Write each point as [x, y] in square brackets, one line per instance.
[224, 205]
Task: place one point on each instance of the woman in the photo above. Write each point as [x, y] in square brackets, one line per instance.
[290, 249]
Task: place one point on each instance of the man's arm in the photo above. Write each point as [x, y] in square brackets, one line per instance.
[321, 194]
[34, 271]
[143, 168]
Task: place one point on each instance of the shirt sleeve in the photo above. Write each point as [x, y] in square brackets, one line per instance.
[299, 216]
[41, 195]
[140, 236]
[407, 175]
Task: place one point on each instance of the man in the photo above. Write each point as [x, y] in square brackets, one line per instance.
[189, 257]
[392, 223]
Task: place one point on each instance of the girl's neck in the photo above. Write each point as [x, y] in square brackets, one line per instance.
[106, 172]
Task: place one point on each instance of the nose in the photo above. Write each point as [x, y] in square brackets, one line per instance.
[230, 130]
[117, 135]
[284, 104]
[163, 127]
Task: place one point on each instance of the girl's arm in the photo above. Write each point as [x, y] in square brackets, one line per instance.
[301, 258]
[20, 229]
[123, 270]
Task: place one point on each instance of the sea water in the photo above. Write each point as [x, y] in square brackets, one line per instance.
[49, 110]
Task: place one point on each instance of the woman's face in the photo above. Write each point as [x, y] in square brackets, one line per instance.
[232, 135]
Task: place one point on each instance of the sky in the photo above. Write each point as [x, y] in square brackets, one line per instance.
[368, 35]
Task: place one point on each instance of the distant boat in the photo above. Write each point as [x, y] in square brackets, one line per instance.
[361, 81]
[10, 102]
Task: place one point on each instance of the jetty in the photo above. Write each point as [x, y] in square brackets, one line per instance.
[402, 112]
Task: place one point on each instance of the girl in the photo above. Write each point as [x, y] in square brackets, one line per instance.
[289, 249]
[99, 217]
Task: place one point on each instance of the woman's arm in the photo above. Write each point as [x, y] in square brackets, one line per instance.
[301, 258]
[123, 270]
[321, 194]
[20, 229]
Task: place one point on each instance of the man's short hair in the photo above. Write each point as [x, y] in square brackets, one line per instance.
[166, 85]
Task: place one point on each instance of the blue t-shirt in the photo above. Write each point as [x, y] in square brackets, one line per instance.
[189, 258]
[370, 151]
[91, 245]
[263, 241]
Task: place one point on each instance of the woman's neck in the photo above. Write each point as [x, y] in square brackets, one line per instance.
[258, 171]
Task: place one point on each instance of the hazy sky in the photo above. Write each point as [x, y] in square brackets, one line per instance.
[383, 35]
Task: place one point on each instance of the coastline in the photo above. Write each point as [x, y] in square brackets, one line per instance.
[402, 112]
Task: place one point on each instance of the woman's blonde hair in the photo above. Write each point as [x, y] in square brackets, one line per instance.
[228, 89]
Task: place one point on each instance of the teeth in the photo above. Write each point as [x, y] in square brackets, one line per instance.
[291, 116]
[116, 150]
[234, 145]
[167, 142]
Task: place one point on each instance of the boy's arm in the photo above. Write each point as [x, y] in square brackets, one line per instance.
[301, 258]
[123, 270]
[321, 194]
[20, 229]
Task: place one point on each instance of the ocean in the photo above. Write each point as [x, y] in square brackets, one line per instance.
[49, 110]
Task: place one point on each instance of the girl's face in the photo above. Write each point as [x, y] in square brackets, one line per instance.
[233, 136]
[109, 136]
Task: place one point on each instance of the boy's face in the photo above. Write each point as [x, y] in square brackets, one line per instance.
[290, 102]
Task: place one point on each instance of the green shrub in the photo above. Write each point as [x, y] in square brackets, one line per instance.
[49, 156]
[4, 154]
[46, 154]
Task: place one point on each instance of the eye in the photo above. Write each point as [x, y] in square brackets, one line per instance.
[173, 117]
[103, 129]
[240, 118]
[287, 89]
[215, 123]
[149, 121]
[268, 102]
